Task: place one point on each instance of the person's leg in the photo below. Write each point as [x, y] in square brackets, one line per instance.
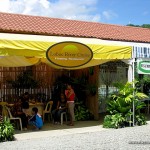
[54, 115]
[24, 120]
[34, 125]
[71, 113]
[59, 114]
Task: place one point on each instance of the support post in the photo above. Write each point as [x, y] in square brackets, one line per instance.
[133, 69]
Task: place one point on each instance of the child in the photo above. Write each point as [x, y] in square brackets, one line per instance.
[36, 119]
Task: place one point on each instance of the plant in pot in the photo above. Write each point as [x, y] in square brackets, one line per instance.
[120, 105]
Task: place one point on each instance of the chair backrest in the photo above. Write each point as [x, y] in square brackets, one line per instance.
[3, 109]
[48, 107]
[3, 103]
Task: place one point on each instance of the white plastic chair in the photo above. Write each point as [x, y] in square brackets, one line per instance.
[14, 118]
[62, 117]
[47, 110]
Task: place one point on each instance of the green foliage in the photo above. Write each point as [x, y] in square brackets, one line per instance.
[143, 26]
[114, 121]
[146, 79]
[120, 105]
[117, 120]
[138, 106]
[82, 113]
[127, 92]
[108, 122]
[140, 119]
[6, 130]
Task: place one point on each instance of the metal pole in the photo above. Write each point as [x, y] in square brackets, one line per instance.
[133, 74]
[133, 68]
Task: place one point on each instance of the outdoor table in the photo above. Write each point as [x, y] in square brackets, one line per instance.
[40, 107]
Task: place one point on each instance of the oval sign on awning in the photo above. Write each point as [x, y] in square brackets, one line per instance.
[69, 54]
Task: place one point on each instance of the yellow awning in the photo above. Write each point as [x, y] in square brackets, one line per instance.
[25, 50]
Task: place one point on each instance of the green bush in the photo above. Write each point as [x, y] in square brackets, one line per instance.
[140, 119]
[120, 107]
[6, 131]
[108, 122]
[82, 113]
[114, 121]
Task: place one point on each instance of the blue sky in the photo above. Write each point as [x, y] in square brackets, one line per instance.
[120, 12]
[126, 11]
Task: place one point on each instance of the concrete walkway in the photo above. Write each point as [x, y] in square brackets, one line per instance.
[82, 138]
[41, 134]
[55, 130]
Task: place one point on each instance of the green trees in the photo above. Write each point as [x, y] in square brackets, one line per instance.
[143, 26]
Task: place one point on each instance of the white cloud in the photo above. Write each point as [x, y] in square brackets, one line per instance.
[69, 9]
[4, 5]
[108, 15]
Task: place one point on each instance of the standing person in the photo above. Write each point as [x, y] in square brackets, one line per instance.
[24, 109]
[70, 95]
[36, 119]
[25, 103]
[61, 107]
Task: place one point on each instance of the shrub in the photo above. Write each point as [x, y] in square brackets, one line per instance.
[82, 113]
[6, 131]
[108, 122]
[140, 119]
[120, 107]
[114, 121]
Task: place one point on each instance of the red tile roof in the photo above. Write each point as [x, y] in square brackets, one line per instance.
[16, 23]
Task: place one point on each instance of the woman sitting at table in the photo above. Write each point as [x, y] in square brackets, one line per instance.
[61, 107]
[21, 108]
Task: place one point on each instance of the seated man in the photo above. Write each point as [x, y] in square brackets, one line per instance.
[61, 107]
[36, 120]
[18, 112]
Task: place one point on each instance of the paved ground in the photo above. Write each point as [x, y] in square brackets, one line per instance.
[84, 138]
